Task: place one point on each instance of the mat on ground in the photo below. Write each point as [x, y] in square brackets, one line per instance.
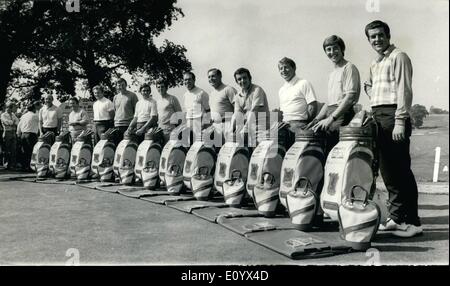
[162, 199]
[138, 192]
[46, 181]
[189, 206]
[213, 213]
[297, 244]
[245, 225]
[89, 185]
[109, 187]
[8, 177]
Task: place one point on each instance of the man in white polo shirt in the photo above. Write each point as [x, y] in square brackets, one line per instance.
[297, 98]
[103, 112]
[146, 113]
[196, 102]
[50, 117]
[221, 100]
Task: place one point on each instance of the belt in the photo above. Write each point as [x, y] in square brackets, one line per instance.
[385, 106]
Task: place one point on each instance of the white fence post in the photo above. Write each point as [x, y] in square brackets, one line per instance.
[437, 159]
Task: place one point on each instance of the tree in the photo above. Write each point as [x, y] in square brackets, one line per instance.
[103, 40]
[436, 110]
[418, 113]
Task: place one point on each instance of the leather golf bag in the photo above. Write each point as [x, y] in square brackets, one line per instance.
[302, 203]
[174, 152]
[265, 195]
[234, 189]
[147, 158]
[201, 154]
[174, 179]
[125, 158]
[103, 158]
[81, 156]
[202, 183]
[305, 159]
[231, 158]
[359, 219]
[351, 162]
[267, 158]
[60, 155]
[41, 155]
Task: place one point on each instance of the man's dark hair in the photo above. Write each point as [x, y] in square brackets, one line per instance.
[162, 82]
[31, 107]
[334, 40]
[242, 71]
[145, 85]
[219, 73]
[121, 79]
[77, 101]
[378, 24]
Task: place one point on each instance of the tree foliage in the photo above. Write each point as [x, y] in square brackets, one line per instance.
[418, 113]
[97, 44]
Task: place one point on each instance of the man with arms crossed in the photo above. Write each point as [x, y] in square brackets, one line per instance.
[390, 90]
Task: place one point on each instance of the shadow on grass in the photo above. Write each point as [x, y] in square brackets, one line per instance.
[433, 207]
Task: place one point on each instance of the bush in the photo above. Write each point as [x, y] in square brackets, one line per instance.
[418, 113]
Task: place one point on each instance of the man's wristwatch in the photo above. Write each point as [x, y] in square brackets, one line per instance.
[333, 117]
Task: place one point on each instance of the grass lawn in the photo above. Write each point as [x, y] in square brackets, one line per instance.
[433, 133]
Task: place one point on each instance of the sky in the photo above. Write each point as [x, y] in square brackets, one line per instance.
[256, 34]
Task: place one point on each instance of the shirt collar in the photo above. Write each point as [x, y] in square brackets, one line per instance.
[241, 93]
[386, 53]
[293, 81]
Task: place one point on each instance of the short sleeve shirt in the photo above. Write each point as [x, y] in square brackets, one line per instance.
[167, 106]
[196, 102]
[255, 100]
[74, 117]
[124, 105]
[222, 102]
[145, 109]
[341, 81]
[295, 96]
[102, 109]
[49, 116]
